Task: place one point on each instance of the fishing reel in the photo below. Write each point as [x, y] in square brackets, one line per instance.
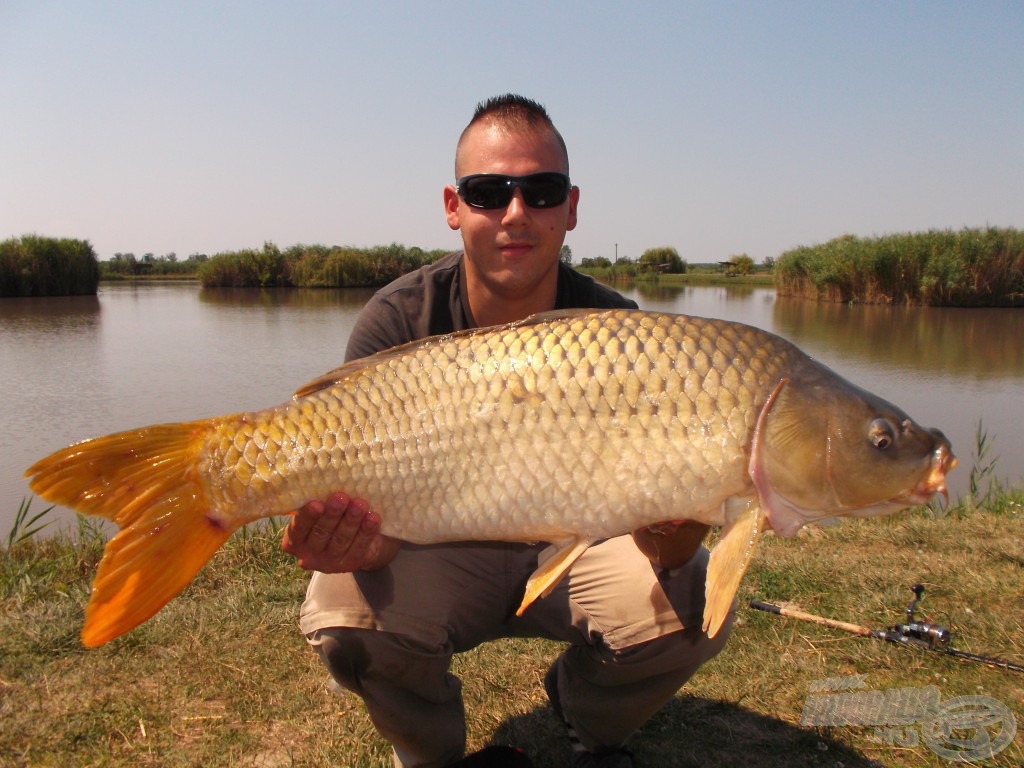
[920, 632]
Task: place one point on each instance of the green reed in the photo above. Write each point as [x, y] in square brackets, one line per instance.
[47, 266]
[970, 267]
[26, 525]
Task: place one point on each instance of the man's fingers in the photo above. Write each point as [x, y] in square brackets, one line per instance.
[337, 534]
[313, 524]
[303, 519]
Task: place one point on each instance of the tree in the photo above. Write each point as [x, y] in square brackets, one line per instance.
[122, 264]
[565, 255]
[741, 265]
[664, 259]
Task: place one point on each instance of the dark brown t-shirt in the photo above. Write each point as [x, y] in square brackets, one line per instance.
[432, 300]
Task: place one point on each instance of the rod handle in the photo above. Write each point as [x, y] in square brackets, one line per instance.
[855, 629]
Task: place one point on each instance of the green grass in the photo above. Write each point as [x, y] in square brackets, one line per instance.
[223, 677]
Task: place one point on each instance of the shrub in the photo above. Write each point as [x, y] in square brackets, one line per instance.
[662, 260]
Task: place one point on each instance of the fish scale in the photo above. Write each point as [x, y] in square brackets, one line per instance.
[567, 428]
[489, 415]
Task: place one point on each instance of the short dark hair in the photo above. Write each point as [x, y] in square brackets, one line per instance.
[516, 112]
[512, 108]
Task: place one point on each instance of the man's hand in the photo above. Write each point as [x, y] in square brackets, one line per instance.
[338, 535]
[670, 545]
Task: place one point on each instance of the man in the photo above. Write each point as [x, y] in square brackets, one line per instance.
[386, 616]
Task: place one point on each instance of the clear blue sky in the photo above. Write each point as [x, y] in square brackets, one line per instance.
[717, 128]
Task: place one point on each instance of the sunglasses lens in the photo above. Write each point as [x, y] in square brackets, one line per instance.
[486, 192]
[545, 190]
[491, 191]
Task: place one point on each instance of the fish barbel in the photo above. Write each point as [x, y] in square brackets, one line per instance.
[567, 428]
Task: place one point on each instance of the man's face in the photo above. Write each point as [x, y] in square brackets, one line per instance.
[511, 251]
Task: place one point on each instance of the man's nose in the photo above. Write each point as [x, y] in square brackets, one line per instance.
[516, 208]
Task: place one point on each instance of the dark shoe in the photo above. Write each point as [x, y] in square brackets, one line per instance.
[495, 757]
[614, 757]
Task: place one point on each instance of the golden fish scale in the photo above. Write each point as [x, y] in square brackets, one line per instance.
[597, 423]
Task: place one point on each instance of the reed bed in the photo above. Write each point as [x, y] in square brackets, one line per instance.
[966, 268]
[313, 266]
[47, 266]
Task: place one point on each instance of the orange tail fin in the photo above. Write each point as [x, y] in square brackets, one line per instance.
[146, 481]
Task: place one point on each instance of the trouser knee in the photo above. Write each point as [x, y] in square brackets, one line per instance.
[412, 699]
[359, 659]
[346, 652]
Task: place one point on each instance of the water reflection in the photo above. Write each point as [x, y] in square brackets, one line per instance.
[978, 343]
[304, 298]
[647, 293]
[51, 314]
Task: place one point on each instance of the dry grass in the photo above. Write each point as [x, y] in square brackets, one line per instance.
[222, 676]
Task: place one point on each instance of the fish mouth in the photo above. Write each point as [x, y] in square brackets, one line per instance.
[943, 462]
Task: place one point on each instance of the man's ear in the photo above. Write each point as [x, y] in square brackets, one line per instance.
[574, 201]
[451, 206]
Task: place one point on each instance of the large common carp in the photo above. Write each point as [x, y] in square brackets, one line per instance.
[567, 428]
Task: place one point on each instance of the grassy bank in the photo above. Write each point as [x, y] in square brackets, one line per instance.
[694, 277]
[222, 676]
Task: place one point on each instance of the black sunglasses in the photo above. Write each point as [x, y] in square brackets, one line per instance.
[495, 190]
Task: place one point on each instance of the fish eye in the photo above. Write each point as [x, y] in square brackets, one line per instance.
[882, 434]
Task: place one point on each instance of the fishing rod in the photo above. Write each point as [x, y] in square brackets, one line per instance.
[918, 634]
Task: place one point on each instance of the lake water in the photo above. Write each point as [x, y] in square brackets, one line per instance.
[77, 367]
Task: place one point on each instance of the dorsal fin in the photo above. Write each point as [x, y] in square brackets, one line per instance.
[349, 369]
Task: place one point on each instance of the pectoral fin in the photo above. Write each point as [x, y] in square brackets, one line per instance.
[551, 567]
[729, 560]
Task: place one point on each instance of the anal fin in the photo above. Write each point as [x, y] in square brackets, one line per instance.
[552, 565]
[729, 560]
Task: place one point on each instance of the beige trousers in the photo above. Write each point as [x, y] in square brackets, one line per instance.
[633, 633]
